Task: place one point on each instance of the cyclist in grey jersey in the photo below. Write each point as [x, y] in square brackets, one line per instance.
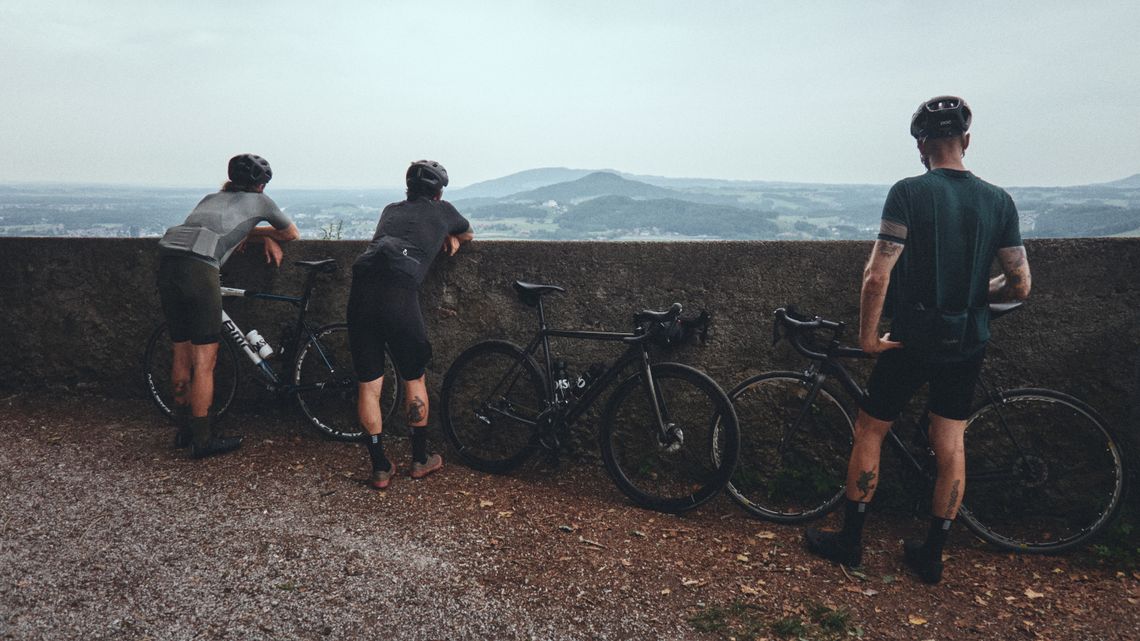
[221, 223]
[191, 255]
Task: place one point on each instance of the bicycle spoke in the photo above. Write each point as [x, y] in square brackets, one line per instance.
[1042, 472]
[490, 398]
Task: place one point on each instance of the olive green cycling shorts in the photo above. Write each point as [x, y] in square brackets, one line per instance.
[191, 299]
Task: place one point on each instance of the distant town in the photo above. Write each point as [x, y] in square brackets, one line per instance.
[570, 204]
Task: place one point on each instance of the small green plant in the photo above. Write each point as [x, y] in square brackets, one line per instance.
[791, 626]
[1119, 547]
[332, 231]
[711, 619]
[828, 618]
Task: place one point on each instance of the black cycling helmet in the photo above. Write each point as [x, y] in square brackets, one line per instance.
[248, 169]
[426, 172]
[941, 117]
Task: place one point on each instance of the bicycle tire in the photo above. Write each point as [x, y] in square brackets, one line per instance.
[327, 396]
[789, 475]
[492, 397]
[157, 361]
[697, 459]
[1044, 472]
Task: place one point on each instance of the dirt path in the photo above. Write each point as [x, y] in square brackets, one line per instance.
[105, 533]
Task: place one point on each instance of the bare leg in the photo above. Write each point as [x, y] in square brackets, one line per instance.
[180, 373]
[947, 439]
[202, 384]
[416, 402]
[368, 405]
[863, 467]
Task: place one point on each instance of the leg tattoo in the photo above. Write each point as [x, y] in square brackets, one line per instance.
[417, 410]
[865, 484]
[953, 499]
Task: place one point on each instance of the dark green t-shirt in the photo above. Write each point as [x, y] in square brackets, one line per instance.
[955, 224]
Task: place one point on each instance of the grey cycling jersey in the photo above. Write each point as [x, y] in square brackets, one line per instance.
[219, 223]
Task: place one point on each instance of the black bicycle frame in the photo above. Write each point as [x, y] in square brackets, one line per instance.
[303, 330]
[820, 370]
[637, 351]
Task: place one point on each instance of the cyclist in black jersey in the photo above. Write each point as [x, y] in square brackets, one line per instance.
[384, 310]
[929, 270]
[191, 256]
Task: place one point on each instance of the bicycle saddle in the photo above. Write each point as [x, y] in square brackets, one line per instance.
[661, 317]
[529, 293]
[326, 266]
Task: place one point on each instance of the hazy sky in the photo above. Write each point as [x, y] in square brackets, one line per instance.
[346, 93]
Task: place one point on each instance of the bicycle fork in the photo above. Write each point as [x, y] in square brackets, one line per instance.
[669, 435]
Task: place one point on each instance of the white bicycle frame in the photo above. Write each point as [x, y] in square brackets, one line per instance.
[238, 337]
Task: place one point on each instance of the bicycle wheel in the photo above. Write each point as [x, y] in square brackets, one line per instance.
[157, 361]
[326, 385]
[1043, 472]
[681, 469]
[793, 456]
[492, 397]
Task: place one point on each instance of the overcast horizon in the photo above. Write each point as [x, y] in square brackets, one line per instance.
[344, 95]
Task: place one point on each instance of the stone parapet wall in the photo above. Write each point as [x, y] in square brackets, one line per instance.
[77, 312]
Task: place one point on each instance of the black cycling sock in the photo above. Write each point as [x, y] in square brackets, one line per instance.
[419, 444]
[375, 443]
[854, 514]
[936, 536]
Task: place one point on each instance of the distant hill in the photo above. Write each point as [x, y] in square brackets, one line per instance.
[1131, 182]
[599, 183]
[517, 182]
[622, 215]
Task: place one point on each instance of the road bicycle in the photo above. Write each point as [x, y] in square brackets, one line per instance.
[1044, 473]
[313, 364]
[668, 433]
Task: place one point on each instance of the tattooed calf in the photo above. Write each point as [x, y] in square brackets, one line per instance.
[865, 484]
[417, 410]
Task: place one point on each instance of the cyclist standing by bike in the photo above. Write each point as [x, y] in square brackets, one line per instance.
[188, 285]
[384, 310]
[929, 269]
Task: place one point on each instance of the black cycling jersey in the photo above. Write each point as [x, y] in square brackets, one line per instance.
[408, 238]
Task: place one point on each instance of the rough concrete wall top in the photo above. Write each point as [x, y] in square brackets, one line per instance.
[78, 311]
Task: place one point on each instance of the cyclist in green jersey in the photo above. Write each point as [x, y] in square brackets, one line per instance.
[188, 285]
[929, 271]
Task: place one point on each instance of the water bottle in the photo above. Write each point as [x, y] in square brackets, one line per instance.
[259, 344]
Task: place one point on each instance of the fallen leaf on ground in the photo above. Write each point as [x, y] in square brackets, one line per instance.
[506, 514]
[980, 601]
[666, 591]
[1033, 595]
[744, 589]
[916, 620]
[743, 558]
[766, 535]
[485, 503]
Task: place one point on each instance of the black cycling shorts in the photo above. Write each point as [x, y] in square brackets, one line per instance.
[381, 315]
[898, 374]
[191, 300]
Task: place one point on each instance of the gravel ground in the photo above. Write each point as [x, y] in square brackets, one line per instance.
[109, 534]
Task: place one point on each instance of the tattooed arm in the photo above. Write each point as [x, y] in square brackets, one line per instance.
[876, 279]
[1015, 280]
